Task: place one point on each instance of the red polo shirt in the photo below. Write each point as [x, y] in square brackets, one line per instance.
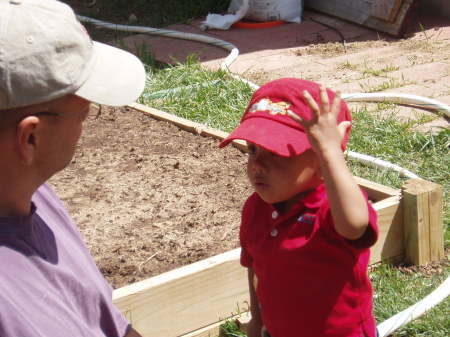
[311, 281]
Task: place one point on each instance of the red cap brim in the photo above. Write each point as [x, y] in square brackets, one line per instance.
[271, 135]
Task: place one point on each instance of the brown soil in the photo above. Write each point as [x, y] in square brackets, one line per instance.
[149, 197]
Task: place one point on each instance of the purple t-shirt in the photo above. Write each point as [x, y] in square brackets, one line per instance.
[49, 283]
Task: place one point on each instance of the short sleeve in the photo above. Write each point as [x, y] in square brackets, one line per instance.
[370, 236]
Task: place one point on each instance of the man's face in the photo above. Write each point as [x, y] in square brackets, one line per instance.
[62, 125]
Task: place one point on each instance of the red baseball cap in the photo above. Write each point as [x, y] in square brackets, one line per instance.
[266, 123]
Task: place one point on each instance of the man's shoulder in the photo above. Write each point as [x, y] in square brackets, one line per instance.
[45, 191]
[46, 199]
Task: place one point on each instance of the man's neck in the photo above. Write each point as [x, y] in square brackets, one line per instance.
[14, 201]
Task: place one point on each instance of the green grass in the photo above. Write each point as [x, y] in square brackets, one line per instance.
[395, 290]
[217, 100]
[154, 13]
[148, 13]
[390, 83]
[209, 97]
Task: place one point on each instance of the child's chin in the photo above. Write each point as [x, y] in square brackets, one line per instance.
[268, 199]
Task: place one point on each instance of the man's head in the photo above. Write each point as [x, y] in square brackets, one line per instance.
[50, 72]
[46, 54]
[266, 123]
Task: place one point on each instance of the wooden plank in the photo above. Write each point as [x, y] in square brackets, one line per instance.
[376, 191]
[405, 15]
[416, 237]
[185, 299]
[423, 221]
[436, 222]
[385, 10]
[360, 12]
[182, 123]
[212, 330]
[389, 246]
[188, 125]
[357, 11]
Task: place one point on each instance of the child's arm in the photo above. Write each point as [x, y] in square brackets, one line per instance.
[347, 203]
[254, 326]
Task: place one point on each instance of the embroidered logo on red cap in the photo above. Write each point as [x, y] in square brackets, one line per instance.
[267, 105]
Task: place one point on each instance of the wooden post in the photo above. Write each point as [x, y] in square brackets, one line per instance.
[423, 221]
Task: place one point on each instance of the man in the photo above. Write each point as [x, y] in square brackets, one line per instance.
[50, 72]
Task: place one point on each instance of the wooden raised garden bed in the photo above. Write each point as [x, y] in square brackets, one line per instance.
[193, 300]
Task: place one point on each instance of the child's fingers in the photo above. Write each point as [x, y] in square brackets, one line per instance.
[324, 101]
[295, 117]
[336, 106]
[342, 127]
[311, 102]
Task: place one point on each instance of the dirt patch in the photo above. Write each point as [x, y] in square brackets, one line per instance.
[149, 197]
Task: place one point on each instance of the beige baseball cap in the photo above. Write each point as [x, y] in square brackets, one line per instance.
[45, 53]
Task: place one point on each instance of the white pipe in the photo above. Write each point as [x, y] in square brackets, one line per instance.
[379, 163]
[438, 295]
[443, 290]
[422, 102]
[225, 64]
[234, 52]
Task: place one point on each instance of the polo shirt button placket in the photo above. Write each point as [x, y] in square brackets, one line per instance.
[274, 232]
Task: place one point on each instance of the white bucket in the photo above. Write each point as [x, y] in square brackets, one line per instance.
[270, 10]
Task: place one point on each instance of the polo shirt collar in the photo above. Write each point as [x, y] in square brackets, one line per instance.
[313, 200]
[17, 225]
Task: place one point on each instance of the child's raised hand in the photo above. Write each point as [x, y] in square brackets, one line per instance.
[322, 129]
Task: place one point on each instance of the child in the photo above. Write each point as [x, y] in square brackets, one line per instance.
[306, 231]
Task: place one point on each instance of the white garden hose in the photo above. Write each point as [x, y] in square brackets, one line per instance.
[234, 52]
[438, 295]
[390, 325]
[407, 99]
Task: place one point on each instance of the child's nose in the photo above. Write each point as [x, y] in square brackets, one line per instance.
[259, 162]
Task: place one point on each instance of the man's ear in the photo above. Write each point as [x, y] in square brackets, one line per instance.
[27, 138]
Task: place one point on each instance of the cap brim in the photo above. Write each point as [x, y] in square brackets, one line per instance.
[270, 135]
[117, 77]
